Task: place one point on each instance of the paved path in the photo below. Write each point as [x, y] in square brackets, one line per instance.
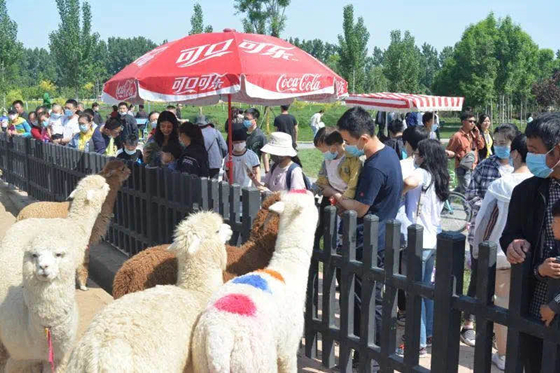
[309, 145]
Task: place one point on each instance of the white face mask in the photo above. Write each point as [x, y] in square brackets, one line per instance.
[239, 147]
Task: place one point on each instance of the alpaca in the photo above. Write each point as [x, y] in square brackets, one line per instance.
[150, 331]
[116, 173]
[40, 294]
[254, 323]
[158, 266]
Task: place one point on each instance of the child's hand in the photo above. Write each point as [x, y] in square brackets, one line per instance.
[547, 315]
[550, 268]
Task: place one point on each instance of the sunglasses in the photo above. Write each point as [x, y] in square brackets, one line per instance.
[472, 121]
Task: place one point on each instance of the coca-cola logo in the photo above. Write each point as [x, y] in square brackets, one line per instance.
[201, 53]
[195, 84]
[267, 49]
[141, 61]
[305, 83]
[126, 90]
[340, 87]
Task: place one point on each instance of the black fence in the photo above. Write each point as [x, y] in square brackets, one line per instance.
[153, 201]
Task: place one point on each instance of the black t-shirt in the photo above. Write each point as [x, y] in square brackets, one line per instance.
[286, 123]
[256, 141]
[380, 184]
[136, 157]
[194, 161]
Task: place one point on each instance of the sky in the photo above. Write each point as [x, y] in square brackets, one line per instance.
[437, 22]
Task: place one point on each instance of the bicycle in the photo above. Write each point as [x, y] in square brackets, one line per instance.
[456, 213]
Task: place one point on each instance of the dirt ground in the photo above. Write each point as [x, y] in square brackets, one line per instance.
[93, 300]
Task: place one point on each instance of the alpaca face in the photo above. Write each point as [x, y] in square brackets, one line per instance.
[91, 189]
[45, 263]
[116, 169]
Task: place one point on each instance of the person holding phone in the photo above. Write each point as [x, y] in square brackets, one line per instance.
[246, 164]
[464, 147]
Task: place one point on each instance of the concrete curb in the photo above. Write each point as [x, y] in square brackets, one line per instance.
[104, 261]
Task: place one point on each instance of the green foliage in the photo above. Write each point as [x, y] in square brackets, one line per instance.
[263, 16]
[316, 47]
[429, 60]
[547, 92]
[10, 48]
[73, 44]
[353, 50]
[445, 53]
[401, 63]
[197, 20]
[121, 52]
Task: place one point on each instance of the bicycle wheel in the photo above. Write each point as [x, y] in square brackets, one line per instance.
[456, 213]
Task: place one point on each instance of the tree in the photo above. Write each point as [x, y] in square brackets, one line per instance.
[445, 53]
[197, 21]
[10, 48]
[429, 60]
[378, 55]
[375, 80]
[121, 52]
[401, 63]
[353, 49]
[74, 44]
[547, 92]
[263, 16]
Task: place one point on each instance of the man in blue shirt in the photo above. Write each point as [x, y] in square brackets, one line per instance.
[378, 192]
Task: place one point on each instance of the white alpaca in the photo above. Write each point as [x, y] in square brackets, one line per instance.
[254, 323]
[39, 258]
[150, 330]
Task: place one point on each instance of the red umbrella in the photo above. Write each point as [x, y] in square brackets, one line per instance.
[249, 68]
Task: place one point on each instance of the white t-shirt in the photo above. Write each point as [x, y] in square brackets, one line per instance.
[71, 128]
[275, 180]
[242, 164]
[57, 122]
[333, 175]
[429, 215]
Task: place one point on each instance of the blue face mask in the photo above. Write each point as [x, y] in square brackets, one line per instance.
[502, 152]
[354, 151]
[68, 113]
[45, 124]
[83, 128]
[330, 156]
[247, 123]
[537, 165]
[434, 127]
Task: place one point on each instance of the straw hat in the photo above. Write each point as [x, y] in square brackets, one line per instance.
[201, 120]
[280, 144]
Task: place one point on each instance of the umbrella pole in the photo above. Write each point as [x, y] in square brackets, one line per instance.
[230, 143]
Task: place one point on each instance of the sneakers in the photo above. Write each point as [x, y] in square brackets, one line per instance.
[499, 361]
[429, 341]
[468, 337]
[422, 352]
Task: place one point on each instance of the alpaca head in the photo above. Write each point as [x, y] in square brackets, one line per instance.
[204, 233]
[297, 211]
[115, 171]
[265, 225]
[91, 191]
[48, 258]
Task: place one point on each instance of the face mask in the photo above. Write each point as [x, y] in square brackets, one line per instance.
[153, 124]
[247, 123]
[68, 113]
[330, 156]
[510, 161]
[34, 123]
[12, 117]
[502, 152]
[354, 151]
[55, 115]
[276, 159]
[123, 114]
[239, 147]
[434, 127]
[537, 164]
[83, 128]
[45, 124]
[130, 152]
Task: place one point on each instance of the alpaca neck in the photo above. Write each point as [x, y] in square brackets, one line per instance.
[109, 204]
[49, 303]
[84, 216]
[199, 275]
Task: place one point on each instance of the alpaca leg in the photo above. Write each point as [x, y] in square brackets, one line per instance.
[19, 366]
[82, 271]
[3, 357]
[287, 363]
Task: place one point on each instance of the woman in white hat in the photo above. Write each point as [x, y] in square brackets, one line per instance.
[285, 174]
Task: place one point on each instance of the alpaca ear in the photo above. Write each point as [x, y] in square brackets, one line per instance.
[278, 207]
[72, 195]
[187, 244]
[90, 196]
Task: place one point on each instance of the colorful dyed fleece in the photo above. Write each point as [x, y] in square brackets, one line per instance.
[21, 126]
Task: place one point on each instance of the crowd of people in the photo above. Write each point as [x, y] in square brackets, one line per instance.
[510, 180]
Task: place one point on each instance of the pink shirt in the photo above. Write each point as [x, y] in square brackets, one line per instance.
[276, 181]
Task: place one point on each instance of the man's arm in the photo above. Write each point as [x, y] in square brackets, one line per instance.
[369, 185]
[512, 241]
[296, 131]
[351, 204]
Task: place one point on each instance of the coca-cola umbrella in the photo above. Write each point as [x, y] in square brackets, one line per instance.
[203, 69]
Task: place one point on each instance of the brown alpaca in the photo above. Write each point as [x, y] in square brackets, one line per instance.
[115, 172]
[157, 266]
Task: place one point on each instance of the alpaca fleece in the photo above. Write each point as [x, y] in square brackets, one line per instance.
[39, 258]
[115, 173]
[150, 331]
[157, 266]
[254, 323]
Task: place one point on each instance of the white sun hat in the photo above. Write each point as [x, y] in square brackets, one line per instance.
[280, 144]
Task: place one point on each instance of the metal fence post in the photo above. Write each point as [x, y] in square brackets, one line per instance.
[486, 281]
[450, 257]
[151, 180]
[251, 205]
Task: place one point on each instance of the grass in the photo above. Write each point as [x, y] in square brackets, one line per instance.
[311, 160]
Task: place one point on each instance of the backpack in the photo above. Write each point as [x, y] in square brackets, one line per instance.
[292, 167]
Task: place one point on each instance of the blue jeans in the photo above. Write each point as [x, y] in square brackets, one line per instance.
[427, 319]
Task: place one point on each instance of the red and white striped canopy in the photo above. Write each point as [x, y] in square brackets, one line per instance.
[404, 102]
